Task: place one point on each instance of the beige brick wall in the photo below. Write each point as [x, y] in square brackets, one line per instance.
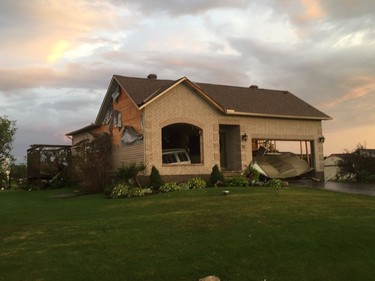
[182, 105]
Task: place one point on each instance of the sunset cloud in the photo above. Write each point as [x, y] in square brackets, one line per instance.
[359, 87]
[58, 50]
[312, 10]
[59, 55]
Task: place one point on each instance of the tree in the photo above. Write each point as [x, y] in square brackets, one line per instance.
[91, 163]
[217, 177]
[155, 179]
[7, 132]
[360, 164]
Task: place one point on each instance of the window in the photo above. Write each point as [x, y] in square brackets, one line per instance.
[182, 143]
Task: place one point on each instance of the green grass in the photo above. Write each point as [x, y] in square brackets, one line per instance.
[251, 234]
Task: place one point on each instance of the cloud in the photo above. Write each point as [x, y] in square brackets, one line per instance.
[57, 56]
[26, 78]
[180, 7]
[312, 10]
[358, 88]
[58, 50]
[36, 30]
[345, 9]
[48, 114]
[90, 75]
[339, 141]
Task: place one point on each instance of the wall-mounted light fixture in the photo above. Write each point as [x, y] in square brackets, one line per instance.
[322, 139]
[244, 137]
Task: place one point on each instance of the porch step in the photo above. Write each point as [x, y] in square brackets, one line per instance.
[231, 174]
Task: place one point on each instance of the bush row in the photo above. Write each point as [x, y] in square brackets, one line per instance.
[128, 186]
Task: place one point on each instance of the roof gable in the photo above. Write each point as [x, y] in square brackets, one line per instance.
[140, 90]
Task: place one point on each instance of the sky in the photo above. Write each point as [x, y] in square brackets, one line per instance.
[58, 57]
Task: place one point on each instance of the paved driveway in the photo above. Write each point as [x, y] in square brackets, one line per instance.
[355, 188]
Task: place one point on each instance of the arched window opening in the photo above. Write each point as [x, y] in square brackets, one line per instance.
[182, 144]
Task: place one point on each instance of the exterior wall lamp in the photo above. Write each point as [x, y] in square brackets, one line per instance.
[244, 137]
[322, 139]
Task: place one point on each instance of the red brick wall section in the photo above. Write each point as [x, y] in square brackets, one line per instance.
[131, 116]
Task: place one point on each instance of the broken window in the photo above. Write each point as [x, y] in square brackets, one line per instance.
[130, 136]
[116, 119]
[112, 118]
[182, 137]
[107, 117]
[116, 94]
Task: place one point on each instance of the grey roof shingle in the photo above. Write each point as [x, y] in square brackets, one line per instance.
[252, 101]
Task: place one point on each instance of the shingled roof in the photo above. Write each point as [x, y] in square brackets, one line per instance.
[262, 102]
[141, 90]
[231, 100]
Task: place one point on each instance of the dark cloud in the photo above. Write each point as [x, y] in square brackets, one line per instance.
[180, 7]
[46, 115]
[93, 75]
[344, 9]
[23, 78]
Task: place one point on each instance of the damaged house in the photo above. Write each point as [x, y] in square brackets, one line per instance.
[184, 128]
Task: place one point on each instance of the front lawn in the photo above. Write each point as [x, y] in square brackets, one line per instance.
[250, 234]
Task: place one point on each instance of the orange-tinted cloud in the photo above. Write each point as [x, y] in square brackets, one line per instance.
[312, 10]
[45, 29]
[359, 87]
[58, 50]
[337, 141]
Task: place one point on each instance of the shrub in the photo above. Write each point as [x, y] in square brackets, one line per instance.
[91, 173]
[147, 190]
[136, 192]
[252, 174]
[237, 182]
[169, 187]
[195, 183]
[122, 190]
[274, 183]
[216, 177]
[155, 179]
[359, 164]
[129, 172]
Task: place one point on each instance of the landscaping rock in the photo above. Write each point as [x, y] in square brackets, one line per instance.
[210, 278]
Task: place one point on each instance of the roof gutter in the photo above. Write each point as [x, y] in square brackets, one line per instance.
[233, 112]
